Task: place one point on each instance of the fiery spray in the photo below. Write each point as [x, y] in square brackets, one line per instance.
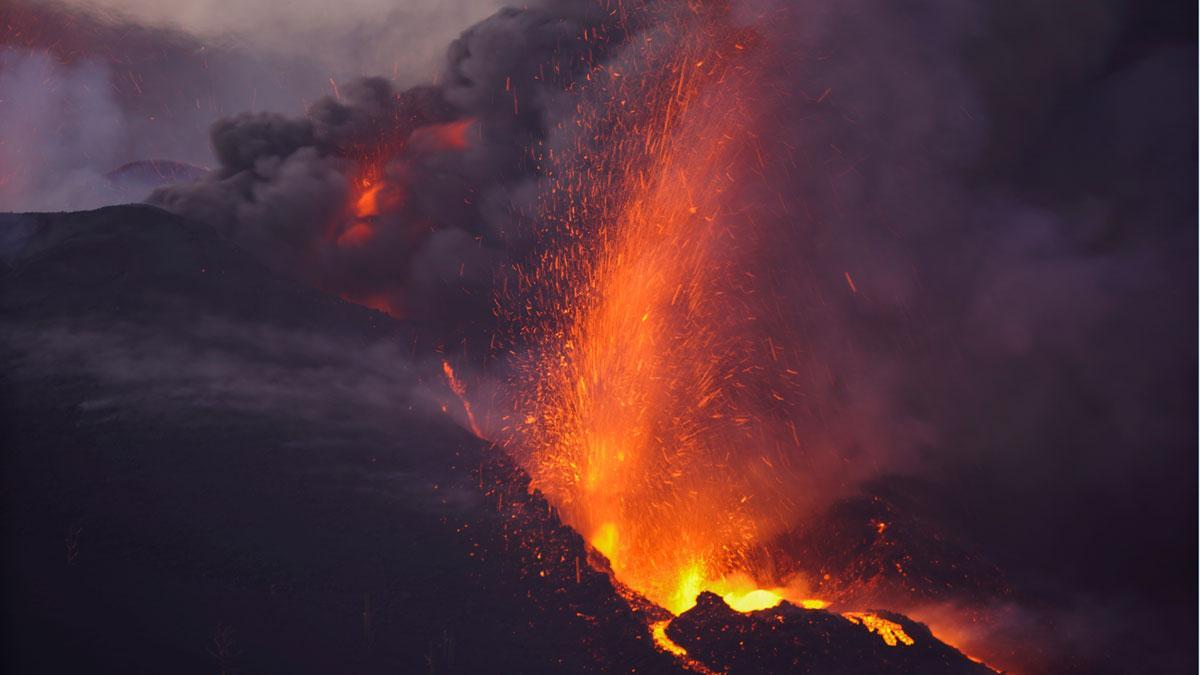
[655, 414]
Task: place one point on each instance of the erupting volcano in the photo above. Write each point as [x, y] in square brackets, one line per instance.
[654, 413]
[656, 410]
[711, 336]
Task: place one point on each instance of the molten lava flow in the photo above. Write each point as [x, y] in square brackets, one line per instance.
[460, 391]
[890, 632]
[655, 415]
[658, 631]
[753, 600]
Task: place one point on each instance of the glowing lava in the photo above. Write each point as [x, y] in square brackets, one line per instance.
[460, 391]
[753, 600]
[890, 632]
[655, 413]
[658, 631]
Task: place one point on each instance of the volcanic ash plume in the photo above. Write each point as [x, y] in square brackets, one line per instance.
[327, 197]
[403, 200]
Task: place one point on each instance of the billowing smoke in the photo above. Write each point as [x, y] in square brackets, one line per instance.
[87, 88]
[989, 217]
[41, 164]
[97, 110]
[405, 200]
[991, 268]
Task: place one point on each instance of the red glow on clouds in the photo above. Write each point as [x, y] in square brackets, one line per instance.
[356, 235]
[454, 135]
[380, 302]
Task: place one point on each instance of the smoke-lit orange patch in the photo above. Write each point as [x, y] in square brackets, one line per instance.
[449, 136]
[357, 234]
[380, 302]
[368, 202]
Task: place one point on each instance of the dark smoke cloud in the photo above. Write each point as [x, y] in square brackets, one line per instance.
[286, 187]
[1011, 188]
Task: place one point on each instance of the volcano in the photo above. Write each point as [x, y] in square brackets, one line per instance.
[165, 515]
[716, 336]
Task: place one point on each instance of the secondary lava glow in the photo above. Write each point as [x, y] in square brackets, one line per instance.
[890, 632]
[460, 390]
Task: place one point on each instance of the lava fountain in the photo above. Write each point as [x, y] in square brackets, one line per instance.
[655, 410]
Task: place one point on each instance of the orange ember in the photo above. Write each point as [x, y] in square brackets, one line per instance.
[656, 418]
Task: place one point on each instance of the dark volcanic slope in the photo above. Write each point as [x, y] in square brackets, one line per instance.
[209, 469]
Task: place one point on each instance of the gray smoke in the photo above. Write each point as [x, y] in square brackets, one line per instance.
[454, 159]
[87, 88]
[404, 41]
[45, 166]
